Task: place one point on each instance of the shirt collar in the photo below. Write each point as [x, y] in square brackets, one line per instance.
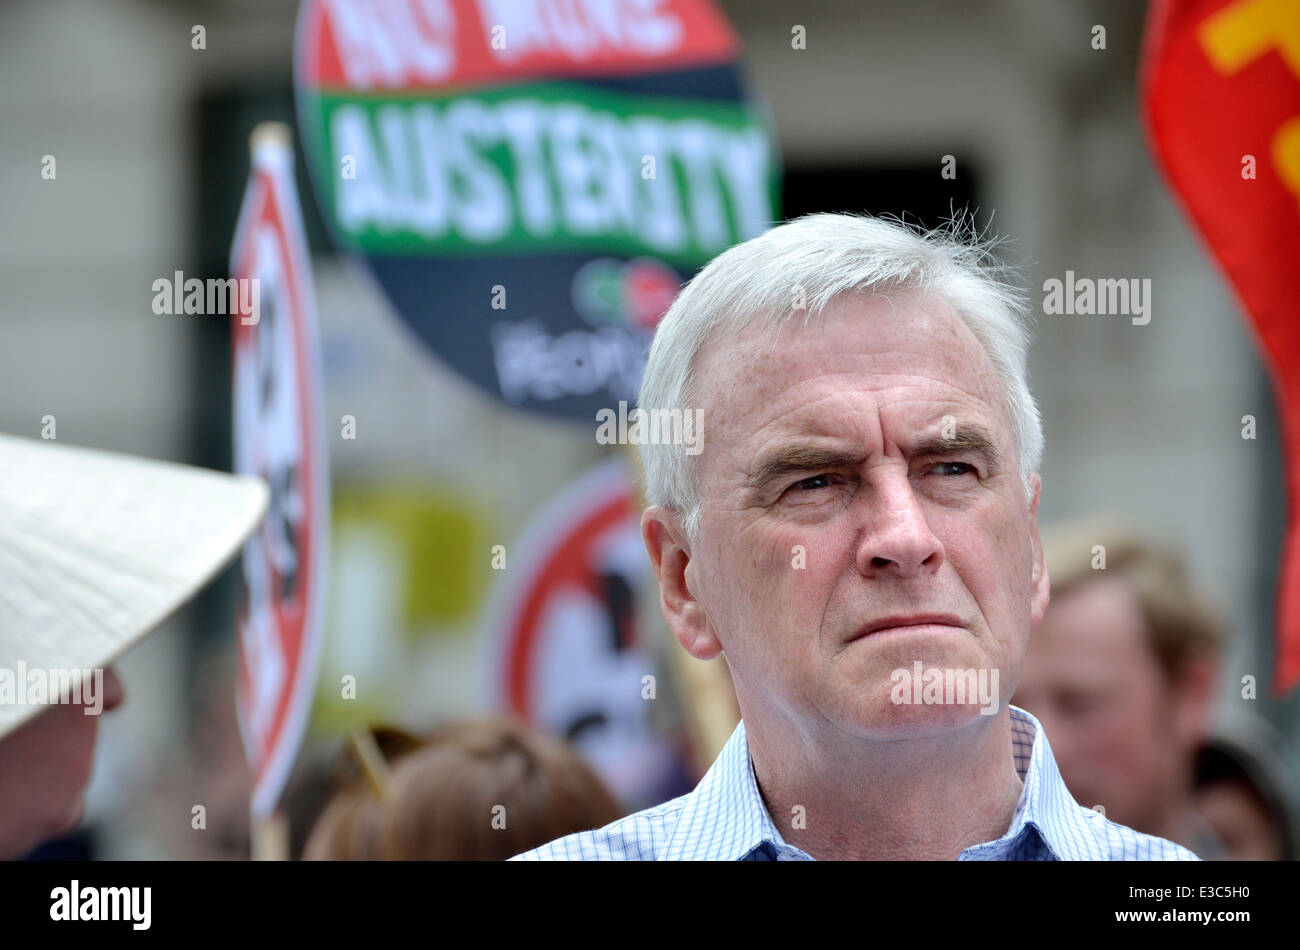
[724, 818]
[1046, 807]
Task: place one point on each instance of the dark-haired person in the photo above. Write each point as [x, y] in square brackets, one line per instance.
[1242, 790]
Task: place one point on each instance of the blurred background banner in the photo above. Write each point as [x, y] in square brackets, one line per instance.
[279, 435]
[1221, 88]
[566, 647]
[530, 188]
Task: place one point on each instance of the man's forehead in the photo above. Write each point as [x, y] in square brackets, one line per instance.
[915, 352]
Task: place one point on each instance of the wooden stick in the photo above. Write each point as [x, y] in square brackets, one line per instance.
[372, 760]
[269, 837]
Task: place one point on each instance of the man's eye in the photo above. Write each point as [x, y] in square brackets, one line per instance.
[1074, 704]
[813, 483]
[953, 469]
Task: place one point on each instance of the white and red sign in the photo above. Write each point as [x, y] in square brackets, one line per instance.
[279, 435]
[565, 650]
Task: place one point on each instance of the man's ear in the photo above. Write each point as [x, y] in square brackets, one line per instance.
[670, 553]
[1194, 698]
[1041, 580]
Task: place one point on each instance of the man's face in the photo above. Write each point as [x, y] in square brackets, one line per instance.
[858, 470]
[1094, 683]
[45, 765]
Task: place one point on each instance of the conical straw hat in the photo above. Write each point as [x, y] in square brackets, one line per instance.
[97, 549]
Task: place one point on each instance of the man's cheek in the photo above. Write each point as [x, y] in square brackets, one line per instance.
[761, 554]
[77, 746]
[64, 815]
[768, 577]
[803, 552]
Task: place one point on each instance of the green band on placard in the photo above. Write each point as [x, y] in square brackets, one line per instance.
[542, 168]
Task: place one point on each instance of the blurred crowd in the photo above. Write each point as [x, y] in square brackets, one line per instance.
[1122, 672]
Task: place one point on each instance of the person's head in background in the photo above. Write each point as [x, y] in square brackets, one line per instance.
[1121, 671]
[482, 789]
[1241, 789]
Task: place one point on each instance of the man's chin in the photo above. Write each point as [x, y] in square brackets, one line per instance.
[896, 656]
[67, 822]
[883, 718]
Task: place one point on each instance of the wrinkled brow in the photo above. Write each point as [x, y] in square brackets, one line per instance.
[812, 458]
[802, 458]
[965, 438]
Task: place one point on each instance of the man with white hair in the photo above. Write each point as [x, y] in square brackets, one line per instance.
[858, 538]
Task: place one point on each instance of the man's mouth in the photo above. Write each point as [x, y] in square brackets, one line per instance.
[906, 622]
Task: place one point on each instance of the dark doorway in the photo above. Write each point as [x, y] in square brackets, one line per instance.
[912, 191]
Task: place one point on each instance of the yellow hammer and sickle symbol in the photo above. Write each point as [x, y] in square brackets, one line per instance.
[1241, 33]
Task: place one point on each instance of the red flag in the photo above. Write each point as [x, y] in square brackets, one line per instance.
[1221, 90]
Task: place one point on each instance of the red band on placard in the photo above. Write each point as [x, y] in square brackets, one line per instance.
[394, 45]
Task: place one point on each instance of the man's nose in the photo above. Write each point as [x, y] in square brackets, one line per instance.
[897, 538]
[114, 693]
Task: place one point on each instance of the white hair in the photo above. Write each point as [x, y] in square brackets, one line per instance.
[814, 260]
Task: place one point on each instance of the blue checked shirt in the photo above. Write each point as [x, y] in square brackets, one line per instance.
[724, 819]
